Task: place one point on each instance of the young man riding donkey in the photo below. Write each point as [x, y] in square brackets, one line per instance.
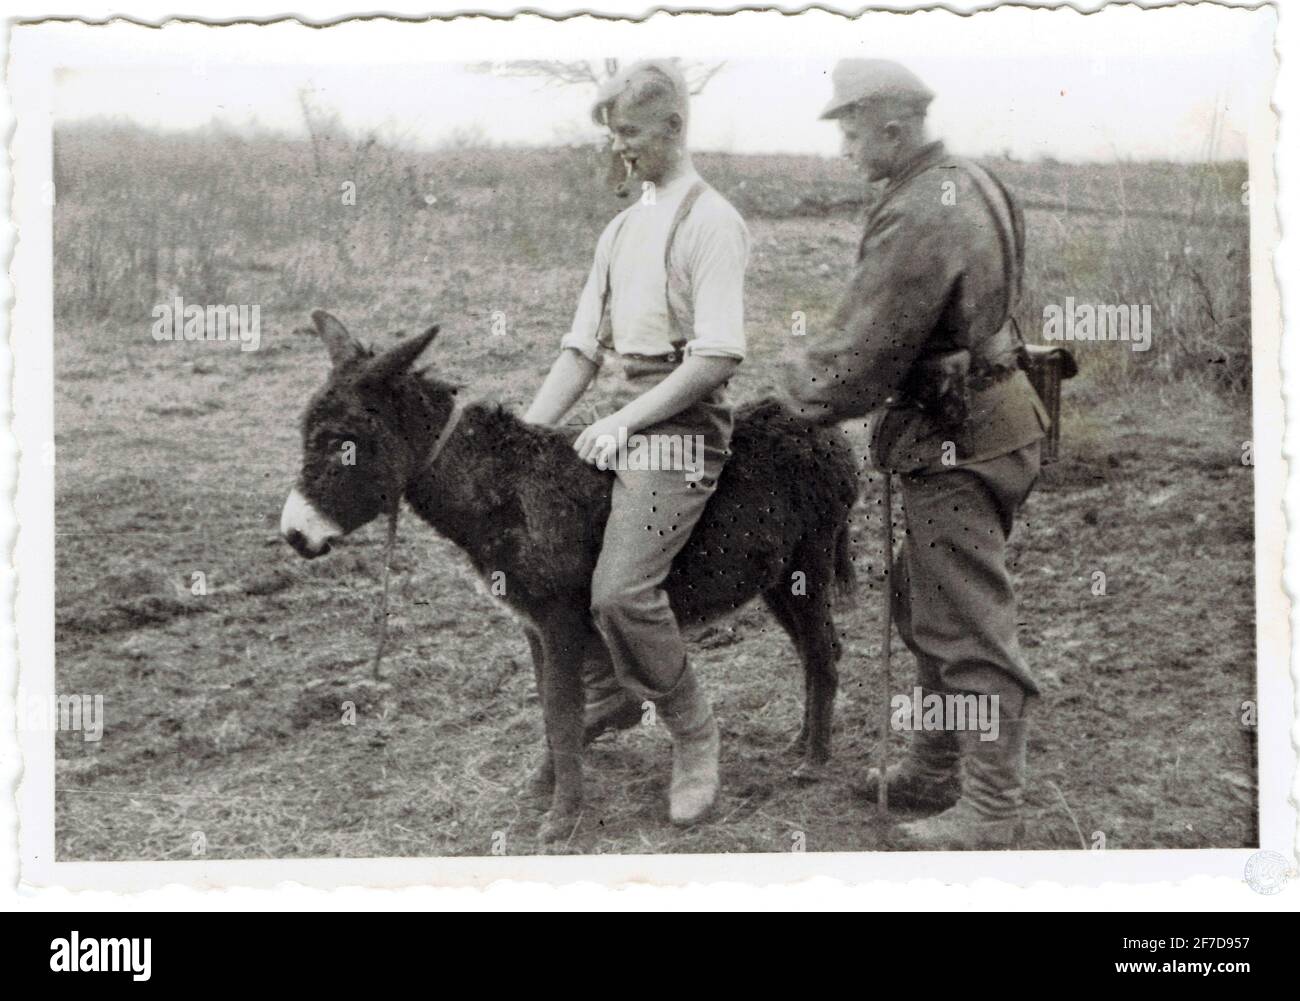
[664, 298]
[924, 340]
[598, 564]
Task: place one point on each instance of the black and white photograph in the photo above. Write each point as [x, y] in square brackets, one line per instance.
[808, 441]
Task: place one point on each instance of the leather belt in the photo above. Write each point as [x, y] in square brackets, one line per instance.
[673, 357]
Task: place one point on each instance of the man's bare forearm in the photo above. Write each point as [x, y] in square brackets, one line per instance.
[567, 380]
[691, 382]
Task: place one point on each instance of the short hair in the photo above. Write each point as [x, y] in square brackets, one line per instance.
[651, 81]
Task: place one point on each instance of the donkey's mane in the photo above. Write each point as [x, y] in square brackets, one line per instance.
[494, 417]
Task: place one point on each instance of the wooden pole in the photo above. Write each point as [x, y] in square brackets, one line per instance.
[887, 537]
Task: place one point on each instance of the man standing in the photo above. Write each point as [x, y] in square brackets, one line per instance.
[923, 339]
[664, 297]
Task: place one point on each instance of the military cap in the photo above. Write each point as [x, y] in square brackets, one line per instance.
[856, 81]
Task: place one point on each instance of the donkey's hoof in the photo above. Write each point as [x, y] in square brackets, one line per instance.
[558, 826]
[809, 771]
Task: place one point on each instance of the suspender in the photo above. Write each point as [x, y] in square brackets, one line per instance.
[1011, 236]
[679, 217]
[605, 332]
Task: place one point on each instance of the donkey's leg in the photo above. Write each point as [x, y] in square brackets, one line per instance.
[541, 783]
[609, 707]
[824, 650]
[823, 653]
[563, 636]
[596, 668]
[812, 627]
[778, 601]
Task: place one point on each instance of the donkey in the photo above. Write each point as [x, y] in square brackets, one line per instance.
[517, 499]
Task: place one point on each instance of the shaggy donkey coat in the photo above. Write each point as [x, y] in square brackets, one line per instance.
[516, 499]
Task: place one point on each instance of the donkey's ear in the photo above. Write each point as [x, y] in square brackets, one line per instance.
[397, 360]
[342, 346]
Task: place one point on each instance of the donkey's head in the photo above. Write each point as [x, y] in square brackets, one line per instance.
[361, 434]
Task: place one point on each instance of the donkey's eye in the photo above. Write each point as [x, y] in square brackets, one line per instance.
[336, 444]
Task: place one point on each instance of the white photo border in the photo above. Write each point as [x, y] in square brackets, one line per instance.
[35, 54]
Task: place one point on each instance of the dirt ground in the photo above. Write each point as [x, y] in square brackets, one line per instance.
[225, 711]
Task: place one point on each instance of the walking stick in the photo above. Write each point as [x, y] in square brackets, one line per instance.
[887, 537]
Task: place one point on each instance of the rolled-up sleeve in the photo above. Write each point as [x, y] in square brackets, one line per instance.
[719, 256]
[898, 293]
[583, 336]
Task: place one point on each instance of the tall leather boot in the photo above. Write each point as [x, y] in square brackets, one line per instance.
[688, 717]
[927, 779]
[988, 815]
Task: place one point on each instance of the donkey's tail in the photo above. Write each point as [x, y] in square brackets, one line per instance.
[846, 578]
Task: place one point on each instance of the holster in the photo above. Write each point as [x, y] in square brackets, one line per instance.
[941, 387]
[941, 383]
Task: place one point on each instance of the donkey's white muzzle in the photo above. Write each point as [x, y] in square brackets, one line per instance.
[307, 530]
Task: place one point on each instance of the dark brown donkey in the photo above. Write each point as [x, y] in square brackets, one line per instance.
[518, 500]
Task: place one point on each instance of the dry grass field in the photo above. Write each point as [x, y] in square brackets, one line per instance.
[224, 710]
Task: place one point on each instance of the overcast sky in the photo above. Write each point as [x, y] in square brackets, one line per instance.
[1121, 83]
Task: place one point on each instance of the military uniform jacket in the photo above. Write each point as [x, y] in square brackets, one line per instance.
[938, 268]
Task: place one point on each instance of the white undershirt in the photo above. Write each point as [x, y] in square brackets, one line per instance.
[709, 255]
